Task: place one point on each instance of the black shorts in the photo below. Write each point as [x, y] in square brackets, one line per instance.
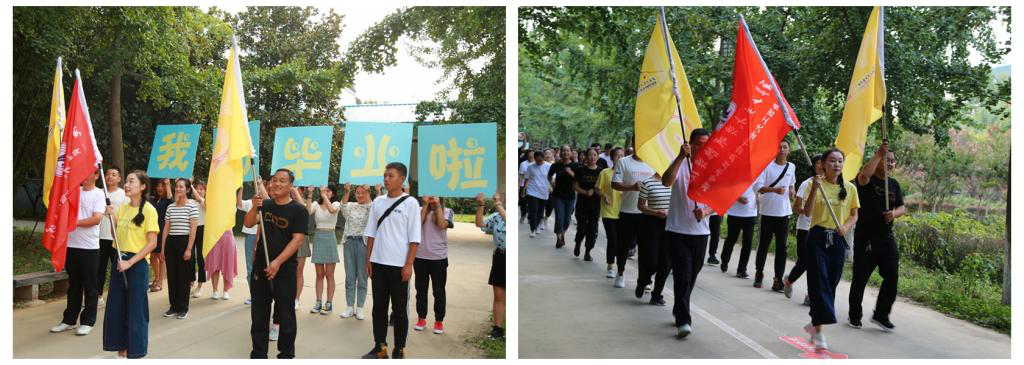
[497, 277]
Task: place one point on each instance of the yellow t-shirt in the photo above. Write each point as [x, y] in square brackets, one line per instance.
[130, 237]
[604, 184]
[820, 215]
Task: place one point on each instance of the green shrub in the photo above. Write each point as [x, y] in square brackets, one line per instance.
[953, 242]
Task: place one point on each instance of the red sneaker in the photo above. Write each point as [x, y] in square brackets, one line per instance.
[420, 324]
[438, 327]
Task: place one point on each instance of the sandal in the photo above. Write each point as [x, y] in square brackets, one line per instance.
[155, 288]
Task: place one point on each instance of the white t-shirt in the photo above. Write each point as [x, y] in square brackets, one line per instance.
[773, 204]
[202, 211]
[522, 171]
[246, 206]
[749, 209]
[680, 209]
[325, 219]
[607, 159]
[537, 183]
[629, 171]
[391, 240]
[89, 202]
[804, 221]
[116, 199]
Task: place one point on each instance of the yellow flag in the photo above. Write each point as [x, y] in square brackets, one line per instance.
[866, 97]
[231, 144]
[54, 132]
[658, 131]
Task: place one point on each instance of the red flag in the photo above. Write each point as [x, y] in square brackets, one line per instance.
[77, 160]
[748, 140]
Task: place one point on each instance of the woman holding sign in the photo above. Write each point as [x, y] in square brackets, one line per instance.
[355, 249]
[325, 244]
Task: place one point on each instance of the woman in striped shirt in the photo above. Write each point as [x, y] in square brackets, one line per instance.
[653, 203]
[179, 237]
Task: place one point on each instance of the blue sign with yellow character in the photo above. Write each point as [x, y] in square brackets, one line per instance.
[369, 147]
[174, 151]
[306, 151]
[458, 160]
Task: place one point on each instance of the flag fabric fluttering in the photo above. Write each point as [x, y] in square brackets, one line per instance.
[657, 122]
[749, 139]
[79, 157]
[231, 144]
[54, 132]
[866, 96]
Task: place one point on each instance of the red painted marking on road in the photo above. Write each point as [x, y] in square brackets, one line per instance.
[808, 349]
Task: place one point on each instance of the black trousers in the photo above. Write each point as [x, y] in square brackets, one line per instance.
[686, 254]
[197, 262]
[80, 265]
[549, 206]
[801, 260]
[429, 272]
[884, 255]
[587, 216]
[652, 256]
[735, 225]
[773, 228]
[283, 300]
[535, 208]
[106, 257]
[629, 228]
[611, 234]
[387, 286]
[715, 223]
[180, 273]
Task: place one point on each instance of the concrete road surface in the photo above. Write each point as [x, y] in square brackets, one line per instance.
[220, 329]
[568, 309]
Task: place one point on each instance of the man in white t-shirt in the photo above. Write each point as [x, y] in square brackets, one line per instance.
[629, 172]
[741, 217]
[392, 239]
[83, 255]
[776, 197]
[686, 232]
[112, 180]
[523, 166]
[536, 189]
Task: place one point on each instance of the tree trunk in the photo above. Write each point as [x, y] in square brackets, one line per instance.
[1006, 247]
[116, 139]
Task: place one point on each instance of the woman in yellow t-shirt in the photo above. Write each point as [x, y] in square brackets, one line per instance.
[610, 201]
[825, 249]
[126, 317]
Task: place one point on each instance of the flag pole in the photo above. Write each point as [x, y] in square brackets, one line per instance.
[675, 89]
[785, 113]
[257, 182]
[885, 159]
[113, 229]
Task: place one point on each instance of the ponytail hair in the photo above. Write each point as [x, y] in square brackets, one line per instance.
[839, 179]
[143, 178]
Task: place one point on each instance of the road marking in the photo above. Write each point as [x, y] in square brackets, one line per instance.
[808, 350]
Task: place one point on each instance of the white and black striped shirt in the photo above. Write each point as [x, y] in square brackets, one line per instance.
[180, 217]
[656, 194]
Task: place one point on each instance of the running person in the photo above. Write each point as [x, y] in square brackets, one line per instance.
[536, 191]
[629, 171]
[611, 200]
[588, 203]
[776, 198]
[742, 217]
[825, 249]
[564, 198]
[653, 202]
[874, 242]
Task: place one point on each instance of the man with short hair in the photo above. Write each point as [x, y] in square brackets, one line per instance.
[284, 225]
[392, 239]
[83, 250]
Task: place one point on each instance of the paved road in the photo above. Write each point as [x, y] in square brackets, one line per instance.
[568, 309]
[220, 329]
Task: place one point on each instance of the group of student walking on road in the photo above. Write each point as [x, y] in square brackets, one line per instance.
[160, 224]
[649, 213]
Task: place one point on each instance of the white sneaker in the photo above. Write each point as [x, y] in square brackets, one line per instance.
[620, 281]
[684, 330]
[225, 296]
[274, 331]
[649, 288]
[819, 341]
[198, 292]
[611, 274]
[296, 304]
[61, 327]
[533, 234]
[359, 313]
[83, 330]
[347, 313]
[543, 224]
[215, 296]
[248, 301]
[99, 301]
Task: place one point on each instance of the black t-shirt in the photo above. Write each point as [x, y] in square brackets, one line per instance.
[587, 179]
[563, 182]
[161, 211]
[870, 222]
[602, 164]
[280, 221]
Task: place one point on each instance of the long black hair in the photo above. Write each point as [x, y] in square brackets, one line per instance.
[839, 180]
[143, 180]
[334, 194]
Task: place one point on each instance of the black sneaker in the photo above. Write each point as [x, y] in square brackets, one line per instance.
[777, 285]
[379, 352]
[497, 333]
[657, 301]
[586, 257]
[170, 313]
[884, 324]
[855, 323]
[724, 267]
[758, 279]
[742, 275]
[576, 251]
[639, 292]
[398, 353]
[713, 261]
[559, 243]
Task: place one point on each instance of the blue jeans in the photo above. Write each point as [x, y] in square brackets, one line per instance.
[825, 251]
[126, 317]
[250, 242]
[563, 213]
[355, 271]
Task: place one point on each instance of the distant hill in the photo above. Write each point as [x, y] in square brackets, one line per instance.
[999, 72]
